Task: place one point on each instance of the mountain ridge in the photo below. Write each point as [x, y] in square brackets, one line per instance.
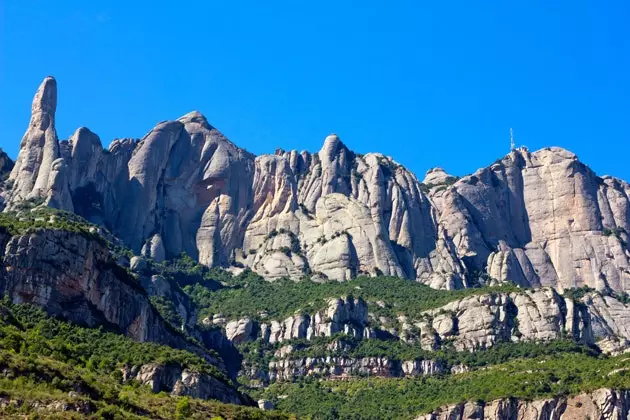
[184, 187]
[294, 274]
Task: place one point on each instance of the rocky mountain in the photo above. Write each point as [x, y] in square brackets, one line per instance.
[296, 275]
[540, 218]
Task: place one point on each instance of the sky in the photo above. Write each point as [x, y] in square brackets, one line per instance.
[435, 83]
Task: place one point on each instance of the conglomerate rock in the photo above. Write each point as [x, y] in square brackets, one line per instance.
[532, 218]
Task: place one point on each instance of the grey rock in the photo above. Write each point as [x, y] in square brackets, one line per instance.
[265, 405]
[599, 404]
[39, 147]
[183, 382]
[239, 331]
[535, 219]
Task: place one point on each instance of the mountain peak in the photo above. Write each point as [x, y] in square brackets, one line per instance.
[194, 117]
[45, 100]
[331, 147]
[436, 176]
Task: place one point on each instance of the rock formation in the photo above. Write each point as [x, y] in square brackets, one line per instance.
[173, 379]
[599, 404]
[473, 323]
[73, 276]
[540, 218]
[340, 367]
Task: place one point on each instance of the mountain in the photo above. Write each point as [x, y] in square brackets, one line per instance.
[541, 218]
[327, 284]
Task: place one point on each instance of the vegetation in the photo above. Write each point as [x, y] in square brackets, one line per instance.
[249, 294]
[46, 361]
[183, 271]
[166, 309]
[614, 232]
[24, 222]
[577, 293]
[27, 330]
[448, 181]
[550, 375]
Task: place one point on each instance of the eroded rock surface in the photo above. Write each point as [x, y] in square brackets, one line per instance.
[541, 218]
[599, 404]
[173, 379]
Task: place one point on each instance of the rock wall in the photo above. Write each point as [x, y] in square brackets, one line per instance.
[481, 321]
[73, 276]
[290, 369]
[599, 404]
[473, 323]
[173, 379]
[342, 315]
[541, 218]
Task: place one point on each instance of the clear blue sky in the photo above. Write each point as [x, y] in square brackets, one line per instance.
[430, 83]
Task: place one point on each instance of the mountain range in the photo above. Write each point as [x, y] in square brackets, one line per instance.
[182, 238]
[536, 218]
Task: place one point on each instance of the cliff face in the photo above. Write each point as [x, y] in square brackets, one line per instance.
[473, 323]
[72, 276]
[540, 218]
[599, 404]
[182, 382]
[342, 367]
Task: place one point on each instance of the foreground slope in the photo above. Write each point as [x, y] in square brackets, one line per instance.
[56, 369]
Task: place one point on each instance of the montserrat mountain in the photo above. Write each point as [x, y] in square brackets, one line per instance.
[532, 218]
[501, 294]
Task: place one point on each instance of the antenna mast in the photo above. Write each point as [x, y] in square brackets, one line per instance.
[512, 143]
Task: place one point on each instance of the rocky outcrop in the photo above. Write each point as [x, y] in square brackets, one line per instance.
[48, 407]
[175, 380]
[72, 275]
[599, 404]
[157, 285]
[39, 147]
[473, 323]
[346, 315]
[341, 367]
[541, 218]
[481, 321]
[239, 331]
[6, 164]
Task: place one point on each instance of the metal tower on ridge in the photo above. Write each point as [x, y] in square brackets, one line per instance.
[512, 143]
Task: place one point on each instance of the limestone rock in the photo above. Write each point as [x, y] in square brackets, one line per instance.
[265, 405]
[599, 404]
[239, 331]
[479, 322]
[73, 277]
[437, 176]
[154, 248]
[532, 218]
[137, 264]
[177, 381]
[39, 147]
[287, 369]
[6, 164]
[545, 212]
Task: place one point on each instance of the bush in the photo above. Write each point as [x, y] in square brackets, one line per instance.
[182, 409]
